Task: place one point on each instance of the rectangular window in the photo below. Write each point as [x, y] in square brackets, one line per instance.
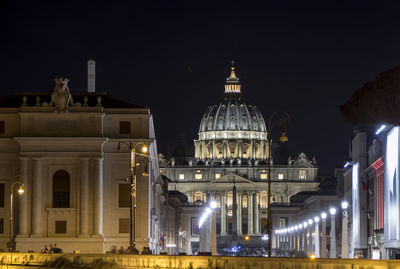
[302, 174]
[280, 176]
[181, 176]
[263, 176]
[1, 226]
[123, 226]
[2, 127]
[217, 175]
[198, 176]
[124, 196]
[195, 226]
[2, 195]
[125, 127]
[61, 226]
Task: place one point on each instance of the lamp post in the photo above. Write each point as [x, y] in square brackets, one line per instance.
[323, 239]
[283, 122]
[309, 237]
[345, 237]
[14, 182]
[132, 181]
[316, 221]
[332, 254]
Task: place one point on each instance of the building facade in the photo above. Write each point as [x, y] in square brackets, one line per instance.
[371, 183]
[70, 151]
[232, 150]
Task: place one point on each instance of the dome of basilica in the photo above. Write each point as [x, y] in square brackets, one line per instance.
[233, 128]
[232, 114]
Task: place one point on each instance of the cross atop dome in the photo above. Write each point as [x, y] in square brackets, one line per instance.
[232, 85]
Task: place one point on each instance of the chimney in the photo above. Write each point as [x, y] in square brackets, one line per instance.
[91, 76]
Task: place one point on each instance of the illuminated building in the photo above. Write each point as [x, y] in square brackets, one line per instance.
[65, 145]
[232, 150]
[371, 182]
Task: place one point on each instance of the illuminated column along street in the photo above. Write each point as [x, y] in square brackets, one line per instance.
[223, 215]
[98, 197]
[37, 207]
[250, 212]
[84, 166]
[317, 250]
[345, 235]
[323, 239]
[303, 239]
[24, 205]
[333, 234]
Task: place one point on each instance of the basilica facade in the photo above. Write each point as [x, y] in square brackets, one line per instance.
[232, 150]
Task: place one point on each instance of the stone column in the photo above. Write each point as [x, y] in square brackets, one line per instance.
[24, 199]
[303, 240]
[84, 165]
[239, 213]
[189, 236]
[223, 215]
[257, 214]
[323, 239]
[317, 250]
[250, 203]
[98, 197]
[333, 238]
[240, 148]
[345, 236]
[37, 197]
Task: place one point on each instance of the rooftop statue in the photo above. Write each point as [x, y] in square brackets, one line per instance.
[61, 96]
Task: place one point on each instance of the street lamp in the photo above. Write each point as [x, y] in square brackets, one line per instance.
[283, 122]
[317, 250]
[132, 181]
[14, 182]
[332, 211]
[345, 236]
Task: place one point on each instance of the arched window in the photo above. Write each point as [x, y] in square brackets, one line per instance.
[61, 189]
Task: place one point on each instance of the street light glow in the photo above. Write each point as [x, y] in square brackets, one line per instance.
[21, 190]
[213, 204]
[345, 205]
[145, 149]
[332, 211]
[316, 219]
[323, 215]
[310, 221]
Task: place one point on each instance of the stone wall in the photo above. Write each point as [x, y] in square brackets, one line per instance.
[153, 261]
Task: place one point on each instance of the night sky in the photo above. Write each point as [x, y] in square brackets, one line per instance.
[303, 57]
